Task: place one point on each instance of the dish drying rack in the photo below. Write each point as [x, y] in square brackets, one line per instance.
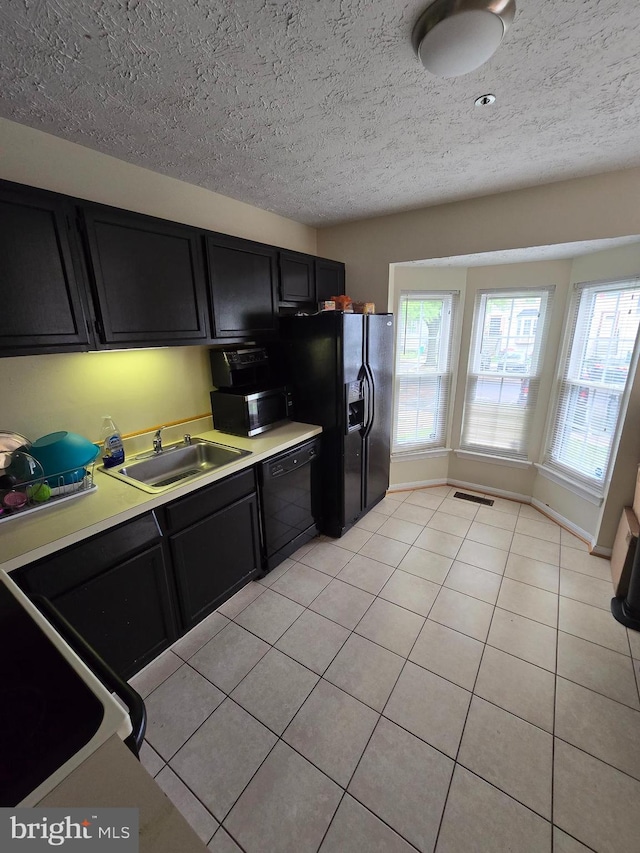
[65, 486]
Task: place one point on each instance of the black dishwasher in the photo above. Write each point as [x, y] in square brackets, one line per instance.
[289, 501]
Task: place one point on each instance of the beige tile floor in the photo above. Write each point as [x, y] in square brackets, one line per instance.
[445, 677]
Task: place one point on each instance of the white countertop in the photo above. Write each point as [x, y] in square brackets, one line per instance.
[29, 538]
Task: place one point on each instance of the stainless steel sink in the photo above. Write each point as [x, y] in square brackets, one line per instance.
[176, 464]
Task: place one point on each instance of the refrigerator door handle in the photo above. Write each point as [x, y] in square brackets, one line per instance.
[371, 400]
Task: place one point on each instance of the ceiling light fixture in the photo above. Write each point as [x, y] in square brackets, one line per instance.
[453, 37]
[485, 100]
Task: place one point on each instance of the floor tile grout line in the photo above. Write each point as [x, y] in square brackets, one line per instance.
[277, 736]
[598, 693]
[553, 739]
[586, 846]
[381, 714]
[473, 693]
[464, 726]
[593, 642]
[352, 631]
[377, 816]
[161, 682]
[475, 681]
[597, 758]
[502, 791]
[397, 568]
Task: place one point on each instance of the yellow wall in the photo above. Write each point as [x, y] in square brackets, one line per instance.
[38, 159]
[140, 389]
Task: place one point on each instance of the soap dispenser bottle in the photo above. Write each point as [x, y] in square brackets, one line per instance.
[112, 447]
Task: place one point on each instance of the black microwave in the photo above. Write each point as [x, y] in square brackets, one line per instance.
[241, 413]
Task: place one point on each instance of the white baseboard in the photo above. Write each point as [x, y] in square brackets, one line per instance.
[571, 527]
[598, 550]
[499, 493]
[418, 484]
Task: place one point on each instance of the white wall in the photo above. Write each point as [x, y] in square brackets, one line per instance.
[142, 389]
[603, 206]
[599, 522]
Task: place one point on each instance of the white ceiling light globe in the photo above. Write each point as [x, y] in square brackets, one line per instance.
[453, 37]
[461, 43]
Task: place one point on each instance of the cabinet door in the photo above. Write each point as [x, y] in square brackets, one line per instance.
[124, 613]
[329, 278]
[215, 557]
[242, 281]
[40, 304]
[148, 276]
[297, 277]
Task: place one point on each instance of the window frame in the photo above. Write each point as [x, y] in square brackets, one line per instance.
[532, 371]
[591, 488]
[448, 348]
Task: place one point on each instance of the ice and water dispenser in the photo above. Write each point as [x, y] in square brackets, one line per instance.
[355, 405]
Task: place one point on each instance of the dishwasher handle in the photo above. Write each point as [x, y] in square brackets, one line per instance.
[110, 679]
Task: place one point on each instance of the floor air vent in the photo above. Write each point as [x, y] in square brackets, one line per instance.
[474, 498]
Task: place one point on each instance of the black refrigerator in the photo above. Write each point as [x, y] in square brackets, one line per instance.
[339, 367]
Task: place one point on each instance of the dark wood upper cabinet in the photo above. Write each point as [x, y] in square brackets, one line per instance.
[41, 307]
[297, 277]
[330, 279]
[148, 279]
[75, 275]
[243, 287]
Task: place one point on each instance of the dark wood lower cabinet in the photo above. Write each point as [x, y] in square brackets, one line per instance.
[133, 590]
[124, 613]
[215, 557]
[116, 591]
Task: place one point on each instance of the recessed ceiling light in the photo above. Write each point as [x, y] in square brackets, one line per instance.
[484, 100]
[453, 37]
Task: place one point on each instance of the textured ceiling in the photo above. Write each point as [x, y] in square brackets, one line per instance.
[319, 109]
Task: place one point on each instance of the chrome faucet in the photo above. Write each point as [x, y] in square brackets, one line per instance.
[157, 441]
[187, 438]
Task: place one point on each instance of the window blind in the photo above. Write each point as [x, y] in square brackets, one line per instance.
[508, 342]
[422, 385]
[599, 345]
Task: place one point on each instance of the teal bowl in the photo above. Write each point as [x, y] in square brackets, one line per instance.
[63, 455]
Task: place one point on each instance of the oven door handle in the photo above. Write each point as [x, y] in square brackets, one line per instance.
[110, 679]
